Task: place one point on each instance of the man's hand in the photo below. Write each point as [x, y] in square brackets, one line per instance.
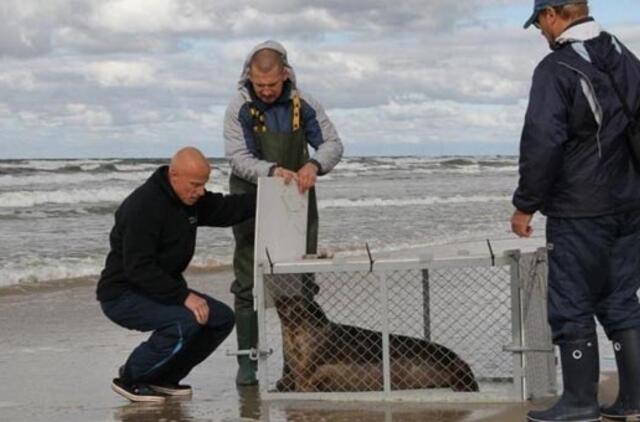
[199, 307]
[521, 223]
[287, 175]
[307, 176]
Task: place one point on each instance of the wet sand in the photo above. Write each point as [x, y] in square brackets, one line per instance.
[59, 352]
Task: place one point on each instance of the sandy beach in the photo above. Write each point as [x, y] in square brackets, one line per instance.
[58, 355]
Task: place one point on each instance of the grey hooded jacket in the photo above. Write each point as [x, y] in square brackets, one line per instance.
[240, 145]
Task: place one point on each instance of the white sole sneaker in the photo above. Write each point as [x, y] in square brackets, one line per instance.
[176, 392]
[136, 397]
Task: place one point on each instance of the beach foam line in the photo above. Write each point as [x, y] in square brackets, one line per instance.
[433, 200]
[70, 178]
[34, 269]
[22, 199]
[52, 165]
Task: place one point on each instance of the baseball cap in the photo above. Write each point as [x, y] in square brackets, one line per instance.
[539, 5]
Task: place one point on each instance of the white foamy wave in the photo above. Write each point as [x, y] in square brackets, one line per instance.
[51, 165]
[22, 199]
[379, 202]
[358, 166]
[70, 179]
[207, 261]
[34, 270]
[137, 167]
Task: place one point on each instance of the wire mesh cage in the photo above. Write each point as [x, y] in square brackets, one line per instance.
[397, 328]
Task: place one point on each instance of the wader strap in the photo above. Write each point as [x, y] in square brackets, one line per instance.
[295, 124]
[257, 117]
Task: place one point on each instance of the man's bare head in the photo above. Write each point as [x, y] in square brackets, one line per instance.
[266, 60]
[188, 174]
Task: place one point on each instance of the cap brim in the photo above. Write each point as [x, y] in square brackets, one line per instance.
[531, 20]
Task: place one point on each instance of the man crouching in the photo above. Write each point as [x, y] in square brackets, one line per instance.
[142, 287]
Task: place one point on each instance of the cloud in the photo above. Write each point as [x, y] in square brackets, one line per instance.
[120, 73]
[135, 77]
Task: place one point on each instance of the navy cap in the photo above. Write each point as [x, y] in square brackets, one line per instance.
[540, 5]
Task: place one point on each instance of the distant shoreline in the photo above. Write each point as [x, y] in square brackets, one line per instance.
[167, 158]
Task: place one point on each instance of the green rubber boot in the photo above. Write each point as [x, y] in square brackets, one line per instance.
[247, 332]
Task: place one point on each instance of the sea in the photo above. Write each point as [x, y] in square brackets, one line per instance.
[56, 215]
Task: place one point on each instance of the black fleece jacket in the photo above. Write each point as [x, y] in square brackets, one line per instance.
[154, 236]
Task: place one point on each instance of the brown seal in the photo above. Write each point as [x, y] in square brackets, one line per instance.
[321, 355]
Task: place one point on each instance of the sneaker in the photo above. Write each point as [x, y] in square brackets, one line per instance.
[172, 389]
[136, 392]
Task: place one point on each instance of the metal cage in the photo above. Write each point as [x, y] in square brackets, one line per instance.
[440, 330]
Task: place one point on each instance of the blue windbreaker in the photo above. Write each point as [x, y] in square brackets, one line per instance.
[574, 158]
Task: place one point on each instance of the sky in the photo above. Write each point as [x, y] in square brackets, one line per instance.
[142, 78]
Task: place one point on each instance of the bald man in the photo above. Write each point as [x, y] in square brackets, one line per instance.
[142, 287]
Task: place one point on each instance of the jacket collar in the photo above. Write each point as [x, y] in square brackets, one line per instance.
[580, 31]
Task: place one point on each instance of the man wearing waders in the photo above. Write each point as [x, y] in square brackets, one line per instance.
[267, 130]
[576, 168]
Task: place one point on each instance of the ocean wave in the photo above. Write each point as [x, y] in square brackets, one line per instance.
[42, 269]
[137, 167]
[70, 179]
[352, 167]
[53, 165]
[22, 199]
[380, 202]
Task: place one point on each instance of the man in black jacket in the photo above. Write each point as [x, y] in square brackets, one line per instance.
[142, 287]
[576, 168]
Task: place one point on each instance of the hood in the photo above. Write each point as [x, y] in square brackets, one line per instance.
[161, 178]
[593, 44]
[580, 31]
[271, 45]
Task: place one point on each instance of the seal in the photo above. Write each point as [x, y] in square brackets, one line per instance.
[321, 355]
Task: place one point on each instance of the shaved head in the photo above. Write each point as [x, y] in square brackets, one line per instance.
[188, 173]
[189, 159]
[266, 60]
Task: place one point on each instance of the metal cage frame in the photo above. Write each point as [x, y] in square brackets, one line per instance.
[530, 343]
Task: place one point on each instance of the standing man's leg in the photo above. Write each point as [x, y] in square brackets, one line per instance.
[578, 254]
[242, 289]
[619, 313]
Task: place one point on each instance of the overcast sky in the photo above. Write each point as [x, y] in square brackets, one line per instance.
[140, 78]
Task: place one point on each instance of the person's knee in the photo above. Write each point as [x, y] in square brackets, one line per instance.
[243, 300]
[187, 324]
[220, 314]
[223, 317]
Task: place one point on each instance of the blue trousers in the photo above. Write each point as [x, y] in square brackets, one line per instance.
[594, 270]
[178, 343]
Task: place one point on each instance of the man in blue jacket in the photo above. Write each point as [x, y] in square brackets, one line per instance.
[576, 168]
[142, 287]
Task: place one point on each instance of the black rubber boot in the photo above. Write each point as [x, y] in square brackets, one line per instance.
[247, 332]
[626, 345]
[580, 374]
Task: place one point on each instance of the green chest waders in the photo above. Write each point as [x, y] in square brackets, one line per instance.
[288, 150]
